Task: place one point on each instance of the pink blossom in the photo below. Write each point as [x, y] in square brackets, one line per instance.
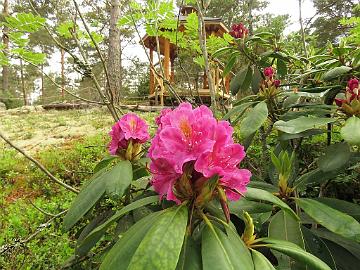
[194, 139]
[164, 178]
[129, 127]
[239, 31]
[277, 83]
[161, 119]
[269, 72]
[352, 85]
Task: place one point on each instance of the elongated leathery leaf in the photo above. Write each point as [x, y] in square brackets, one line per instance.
[223, 252]
[86, 199]
[190, 256]
[121, 253]
[331, 218]
[259, 194]
[90, 240]
[161, 247]
[301, 124]
[297, 253]
[118, 178]
[253, 120]
[260, 261]
[284, 226]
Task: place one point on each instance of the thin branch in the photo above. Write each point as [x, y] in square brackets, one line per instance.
[41, 210]
[41, 227]
[39, 165]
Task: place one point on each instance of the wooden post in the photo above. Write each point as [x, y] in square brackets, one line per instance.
[227, 84]
[166, 67]
[205, 81]
[217, 78]
[172, 73]
[152, 81]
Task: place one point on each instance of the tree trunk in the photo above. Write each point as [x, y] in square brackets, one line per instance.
[114, 58]
[5, 39]
[302, 29]
[42, 83]
[23, 82]
[62, 73]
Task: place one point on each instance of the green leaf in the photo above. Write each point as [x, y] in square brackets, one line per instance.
[336, 156]
[254, 119]
[262, 195]
[316, 246]
[103, 163]
[91, 239]
[118, 258]
[284, 226]
[239, 206]
[314, 176]
[301, 124]
[118, 178]
[351, 209]
[335, 72]
[281, 68]
[190, 256]
[260, 261]
[343, 258]
[351, 130]
[238, 110]
[25, 22]
[224, 252]
[28, 56]
[351, 246]
[297, 253]
[161, 247]
[86, 199]
[229, 65]
[331, 219]
[242, 80]
[64, 29]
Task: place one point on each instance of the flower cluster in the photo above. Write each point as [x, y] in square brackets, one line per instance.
[193, 156]
[269, 87]
[239, 31]
[351, 104]
[127, 135]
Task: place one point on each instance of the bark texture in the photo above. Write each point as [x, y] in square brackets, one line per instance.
[114, 53]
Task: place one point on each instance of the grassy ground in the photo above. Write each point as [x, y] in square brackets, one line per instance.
[69, 144]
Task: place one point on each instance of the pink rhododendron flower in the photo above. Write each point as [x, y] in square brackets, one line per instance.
[353, 85]
[277, 83]
[269, 72]
[193, 146]
[239, 31]
[129, 127]
[351, 104]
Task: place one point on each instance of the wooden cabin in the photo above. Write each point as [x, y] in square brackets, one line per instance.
[157, 93]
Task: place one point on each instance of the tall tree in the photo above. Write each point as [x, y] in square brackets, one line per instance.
[235, 11]
[328, 14]
[5, 39]
[114, 52]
